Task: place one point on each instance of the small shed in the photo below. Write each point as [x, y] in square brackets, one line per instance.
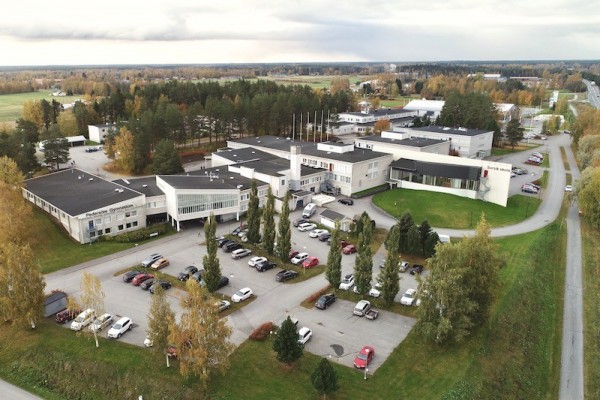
[55, 302]
[329, 218]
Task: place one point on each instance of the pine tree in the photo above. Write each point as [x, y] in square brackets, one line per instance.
[253, 219]
[286, 343]
[324, 378]
[56, 151]
[363, 269]
[268, 217]
[389, 277]
[333, 273]
[284, 237]
[413, 241]
[424, 233]
[160, 319]
[166, 160]
[212, 269]
[430, 244]
[406, 221]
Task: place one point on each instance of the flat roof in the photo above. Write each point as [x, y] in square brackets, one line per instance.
[379, 112]
[451, 131]
[412, 142]
[332, 215]
[438, 169]
[245, 154]
[146, 185]
[76, 192]
[201, 179]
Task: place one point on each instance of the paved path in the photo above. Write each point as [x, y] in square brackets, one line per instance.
[11, 392]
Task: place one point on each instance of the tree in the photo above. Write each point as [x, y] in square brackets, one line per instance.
[588, 193]
[92, 297]
[166, 160]
[382, 125]
[514, 132]
[405, 223]
[67, 123]
[212, 269]
[324, 378]
[286, 343]
[424, 232]
[268, 217]
[124, 148]
[363, 268]
[413, 241]
[430, 243]
[201, 338]
[389, 277]
[56, 151]
[333, 273]
[10, 173]
[253, 219]
[21, 285]
[284, 236]
[160, 319]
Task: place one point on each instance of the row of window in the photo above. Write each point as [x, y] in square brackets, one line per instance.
[193, 203]
[107, 231]
[119, 217]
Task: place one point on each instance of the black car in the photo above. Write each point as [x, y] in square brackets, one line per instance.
[237, 230]
[128, 276]
[223, 241]
[164, 284]
[347, 202]
[285, 275]
[186, 273]
[299, 221]
[265, 265]
[324, 237]
[229, 247]
[147, 283]
[416, 269]
[224, 281]
[325, 301]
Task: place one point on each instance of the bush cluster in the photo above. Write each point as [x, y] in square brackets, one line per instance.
[138, 235]
[262, 332]
[315, 296]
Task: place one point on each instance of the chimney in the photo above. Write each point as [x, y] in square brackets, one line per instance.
[295, 165]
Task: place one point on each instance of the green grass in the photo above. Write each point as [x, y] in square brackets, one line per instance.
[449, 211]
[11, 105]
[563, 154]
[501, 151]
[591, 301]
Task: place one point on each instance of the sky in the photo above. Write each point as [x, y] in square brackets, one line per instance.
[109, 32]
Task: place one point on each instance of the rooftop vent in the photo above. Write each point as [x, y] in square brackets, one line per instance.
[231, 177]
[144, 185]
[240, 186]
[117, 189]
[126, 181]
[91, 179]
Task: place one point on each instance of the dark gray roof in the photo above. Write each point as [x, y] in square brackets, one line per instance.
[382, 112]
[221, 179]
[332, 215]
[412, 142]
[438, 169]
[245, 154]
[73, 192]
[301, 193]
[309, 148]
[392, 121]
[274, 166]
[451, 131]
[146, 185]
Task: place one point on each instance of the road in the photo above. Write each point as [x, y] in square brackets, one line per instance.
[8, 391]
[593, 94]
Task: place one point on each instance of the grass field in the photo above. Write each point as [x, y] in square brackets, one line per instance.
[11, 105]
[500, 151]
[449, 211]
[591, 316]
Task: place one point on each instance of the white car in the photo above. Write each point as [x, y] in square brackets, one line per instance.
[408, 298]
[374, 292]
[148, 261]
[304, 335]
[239, 253]
[307, 226]
[568, 188]
[256, 260]
[148, 342]
[347, 282]
[223, 305]
[101, 322]
[122, 326]
[299, 258]
[241, 295]
[317, 232]
[403, 266]
[83, 319]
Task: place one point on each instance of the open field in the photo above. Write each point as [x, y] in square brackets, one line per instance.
[11, 105]
[591, 313]
[449, 211]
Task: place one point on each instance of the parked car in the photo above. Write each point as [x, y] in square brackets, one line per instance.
[129, 275]
[164, 284]
[242, 232]
[160, 264]
[347, 202]
[317, 232]
[349, 249]
[361, 308]
[66, 315]
[293, 253]
[241, 295]
[285, 275]
[307, 226]
[300, 221]
[255, 260]
[403, 266]
[123, 325]
[101, 322]
[223, 241]
[187, 272]
[223, 281]
[343, 243]
[83, 319]
[408, 298]
[298, 258]
[375, 291]
[529, 189]
[229, 247]
[139, 279]
[240, 253]
[364, 357]
[238, 229]
[310, 262]
[324, 236]
[304, 335]
[416, 269]
[347, 282]
[197, 276]
[538, 187]
[223, 305]
[148, 261]
[147, 283]
[325, 301]
[568, 188]
[265, 265]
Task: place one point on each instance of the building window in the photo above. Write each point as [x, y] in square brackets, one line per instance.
[283, 182]
[120, 227]
[193, 203]
[107, 231]
[134, 223]
[128, 225]
[127, 214]
[99, 232]
[120, 217]
[98, 221]
[107, 220]
[92, 234]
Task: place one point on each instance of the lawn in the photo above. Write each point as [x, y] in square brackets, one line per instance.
[591, 317]
[501, 151]
[11, 105]
[449, 211]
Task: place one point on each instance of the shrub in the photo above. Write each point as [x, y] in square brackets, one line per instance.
[262, 332]
[315, 296]
[138, 235]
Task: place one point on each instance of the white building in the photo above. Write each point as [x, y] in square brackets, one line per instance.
[507, 112]
[426, 108]
[97, 133]
[364, 121]
[387, 144]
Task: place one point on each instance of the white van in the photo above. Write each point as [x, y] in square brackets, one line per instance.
[83, 319]
[309, 210]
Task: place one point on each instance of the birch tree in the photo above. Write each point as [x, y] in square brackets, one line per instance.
[92, 296]
[160, 319]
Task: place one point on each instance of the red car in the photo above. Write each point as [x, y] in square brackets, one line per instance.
[349, 249]
[138, 279]
[310, 262]
[365, 356]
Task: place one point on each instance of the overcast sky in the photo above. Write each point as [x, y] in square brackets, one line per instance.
[43, 32]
